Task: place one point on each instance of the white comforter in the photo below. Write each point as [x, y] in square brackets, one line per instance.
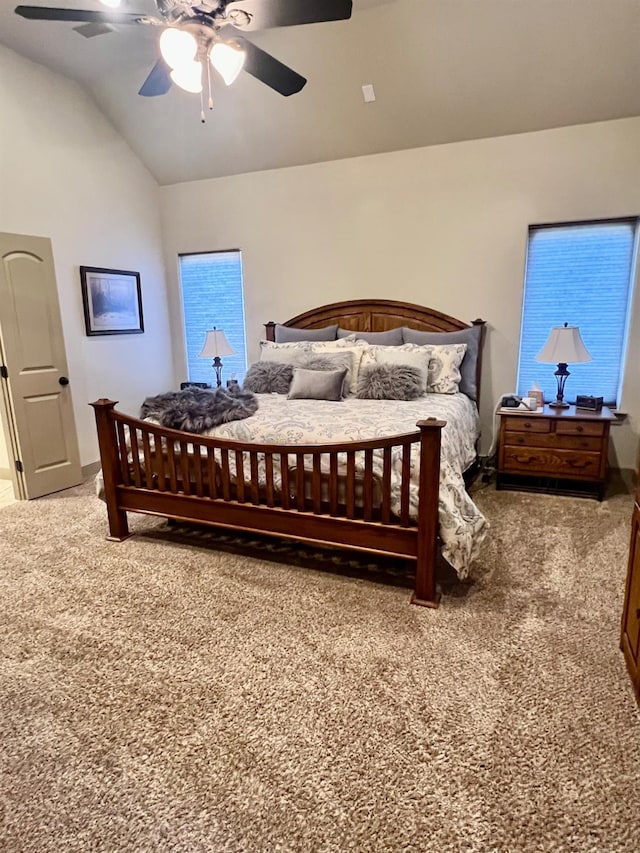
[283, 421]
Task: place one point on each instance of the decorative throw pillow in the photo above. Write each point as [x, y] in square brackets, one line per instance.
[287, 334]
[268, 377]
[317, 384]
[408, 354]
[444, 368]
[471, 337]
[288, 353]
[392, 337]
[343, 360]
[390, 382]
[358, 349]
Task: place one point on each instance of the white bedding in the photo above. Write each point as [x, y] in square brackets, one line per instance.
[282, 421]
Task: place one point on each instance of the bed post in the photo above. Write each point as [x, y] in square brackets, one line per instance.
[425, 593]
[270, 330]
[109, 459]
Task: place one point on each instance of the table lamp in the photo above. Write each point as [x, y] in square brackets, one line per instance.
[564, 346]
[215, 345]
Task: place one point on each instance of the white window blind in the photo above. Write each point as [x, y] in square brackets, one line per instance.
[580, 274]
[212, 296]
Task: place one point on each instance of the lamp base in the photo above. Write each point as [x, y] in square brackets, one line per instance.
[558, 404]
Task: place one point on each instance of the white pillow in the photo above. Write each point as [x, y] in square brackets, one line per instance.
[444, 368]
[412, 354]
[285, 353]
[358, 349]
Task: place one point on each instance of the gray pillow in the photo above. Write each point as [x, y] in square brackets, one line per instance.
[289, 334]
[471, 337]
[390, 338]
[390, 382]
[316, 384]
[268, 377]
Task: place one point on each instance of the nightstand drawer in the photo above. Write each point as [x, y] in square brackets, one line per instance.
[566, 442]
[524, 424]
[580, 428]
[551, 462]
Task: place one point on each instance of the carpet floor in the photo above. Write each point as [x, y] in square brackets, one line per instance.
[170, 694]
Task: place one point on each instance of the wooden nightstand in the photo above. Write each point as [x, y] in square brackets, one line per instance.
[563, 450]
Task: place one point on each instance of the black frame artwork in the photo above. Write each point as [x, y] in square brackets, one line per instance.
[112, 301]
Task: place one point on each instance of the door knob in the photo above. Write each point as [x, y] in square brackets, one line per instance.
[63, 380]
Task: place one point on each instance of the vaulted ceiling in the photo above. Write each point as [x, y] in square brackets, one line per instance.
[443, 71]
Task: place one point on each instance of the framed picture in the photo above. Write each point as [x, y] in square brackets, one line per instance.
[112, 301]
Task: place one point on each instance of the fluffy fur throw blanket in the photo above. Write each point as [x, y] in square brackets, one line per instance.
[199, 409]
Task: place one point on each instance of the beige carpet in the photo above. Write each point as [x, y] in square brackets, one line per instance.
[158, 695]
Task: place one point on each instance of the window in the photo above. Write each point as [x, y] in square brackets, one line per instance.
[212, 296]
[581, 274]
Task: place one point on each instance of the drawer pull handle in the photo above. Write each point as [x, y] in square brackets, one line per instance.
[527, 425]
[638, 613]
[576, 463]
[579, 429]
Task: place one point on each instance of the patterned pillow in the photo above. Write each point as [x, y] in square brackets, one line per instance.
[288, 353]
[359, 350]
[391, 337]
[406, 354]
[268, 377]
[444, 368]
[471, 337]
[390, 382]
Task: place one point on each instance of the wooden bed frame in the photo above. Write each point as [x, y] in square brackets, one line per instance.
[178, 475]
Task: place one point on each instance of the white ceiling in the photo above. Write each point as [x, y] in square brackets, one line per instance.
[443, 71]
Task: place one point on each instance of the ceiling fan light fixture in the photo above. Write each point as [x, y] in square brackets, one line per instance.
[188, 76]
[112, 4]
[178, 47]
[228, 60]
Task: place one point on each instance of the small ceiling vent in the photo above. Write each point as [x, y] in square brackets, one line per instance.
[91, 30]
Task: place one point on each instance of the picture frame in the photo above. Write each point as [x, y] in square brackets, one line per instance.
[112, 301]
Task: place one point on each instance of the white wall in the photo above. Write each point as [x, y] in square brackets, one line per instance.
[66, 174]
[443, 226]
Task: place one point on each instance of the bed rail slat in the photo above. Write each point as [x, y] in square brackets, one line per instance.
[300, 481]
[385, 508]
[285, 496]
[333, 484]
[212, 473]
[350, 486]
[368, 485]
[184, 468]
[255, 490]
[135, 458]
[240, 492]
[226, 479]
[268, 473]
[316, 483]
[198, 465]
[404, 488]
[123, 454]
[171, 461]
[146, 453]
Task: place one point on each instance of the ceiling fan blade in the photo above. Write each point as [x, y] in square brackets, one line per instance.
[270, 71]
[288, 13]
[44, 13]
[158, 81]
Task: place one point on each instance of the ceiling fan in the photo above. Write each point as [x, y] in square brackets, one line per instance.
[209, 33]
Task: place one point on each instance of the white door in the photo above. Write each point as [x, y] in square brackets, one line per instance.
[38, 413]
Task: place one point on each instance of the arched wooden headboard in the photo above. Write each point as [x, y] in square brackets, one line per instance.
[380, 315]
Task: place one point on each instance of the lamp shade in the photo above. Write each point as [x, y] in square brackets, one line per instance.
[216, 344]
[564, 346]
[228, 60]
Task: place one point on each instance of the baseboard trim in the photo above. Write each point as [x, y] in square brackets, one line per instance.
[90, 470]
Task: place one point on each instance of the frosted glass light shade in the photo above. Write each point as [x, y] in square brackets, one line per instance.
[564, 346]
[188, 77]
[228, 60]
[216, 344]
[178, 47]
[112, 4]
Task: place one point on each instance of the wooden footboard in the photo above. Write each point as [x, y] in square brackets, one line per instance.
[302, 492]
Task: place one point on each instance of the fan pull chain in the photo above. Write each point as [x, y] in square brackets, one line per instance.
[202, 118]
[209, 85]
